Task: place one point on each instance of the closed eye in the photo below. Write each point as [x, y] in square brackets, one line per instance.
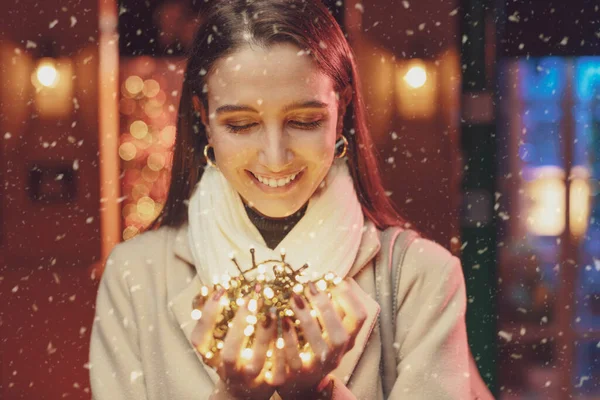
[300, 125]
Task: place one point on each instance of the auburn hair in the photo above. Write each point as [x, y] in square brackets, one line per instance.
[228, 25]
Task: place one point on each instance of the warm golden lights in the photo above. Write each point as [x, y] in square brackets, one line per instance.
[416, 76]
[266, 299]
[46, 74]
[416, 88]
[146, 144]
[545, 199]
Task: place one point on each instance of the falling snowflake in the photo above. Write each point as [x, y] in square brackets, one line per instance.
[135, 375]
[505, 335]
[53, 24]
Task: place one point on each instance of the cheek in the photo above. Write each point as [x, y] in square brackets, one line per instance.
[230, 151]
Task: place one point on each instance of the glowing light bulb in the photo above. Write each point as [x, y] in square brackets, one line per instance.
[298, 288]
[247, 354]
[224, 301]
[196, 314]
[252, 304]
[416, 77]
[313, 313]
[209, 354]
[268, 375]
[280, 344]
[306, 357]
[220, 345]
[251, 319]
[249, 330]
[269, 353]
[269, 293]
[322, 285]
[329, 276]
[240, 301]
[204, 291]
[47, 74]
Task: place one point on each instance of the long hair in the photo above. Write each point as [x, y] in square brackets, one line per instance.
[230, 24]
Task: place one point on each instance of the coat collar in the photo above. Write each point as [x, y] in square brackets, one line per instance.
[180, 302]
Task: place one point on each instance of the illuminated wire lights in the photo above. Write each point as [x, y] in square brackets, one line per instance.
[267, 297]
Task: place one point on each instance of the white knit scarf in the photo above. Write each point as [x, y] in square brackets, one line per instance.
[327, 237]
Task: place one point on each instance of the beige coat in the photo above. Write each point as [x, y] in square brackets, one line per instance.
[141, 349]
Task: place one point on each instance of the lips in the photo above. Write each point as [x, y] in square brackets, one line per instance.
[280, 181]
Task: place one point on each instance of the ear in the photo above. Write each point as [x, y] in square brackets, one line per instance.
[199, 108]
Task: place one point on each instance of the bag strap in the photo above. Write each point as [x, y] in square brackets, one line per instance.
[395, 242]
[388, 266]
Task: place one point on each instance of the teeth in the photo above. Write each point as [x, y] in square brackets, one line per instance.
[276, 182]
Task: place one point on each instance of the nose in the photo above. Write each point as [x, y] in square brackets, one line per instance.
[275, 153]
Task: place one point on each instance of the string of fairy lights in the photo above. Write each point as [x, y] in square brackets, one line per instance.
[267, 296]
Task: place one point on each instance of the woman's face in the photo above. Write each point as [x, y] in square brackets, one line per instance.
[273, 122]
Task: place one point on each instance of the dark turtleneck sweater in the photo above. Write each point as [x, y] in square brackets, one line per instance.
[273, 230]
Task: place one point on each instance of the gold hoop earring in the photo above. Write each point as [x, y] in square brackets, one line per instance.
[208, 160]
[345, 149]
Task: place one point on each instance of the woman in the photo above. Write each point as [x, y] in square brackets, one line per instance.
[273, 152]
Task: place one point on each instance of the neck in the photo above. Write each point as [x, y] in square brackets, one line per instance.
[273, 230]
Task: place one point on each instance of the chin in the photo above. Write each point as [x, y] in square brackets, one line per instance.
[276, 210]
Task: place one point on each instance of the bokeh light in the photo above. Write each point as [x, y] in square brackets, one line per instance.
[416, 76]
[47, 74]
[134, 84]
[145, 208]
[151, 88]
[149, 175]
[156, 161]
[130, 232]
[138, 129]
[127, 151]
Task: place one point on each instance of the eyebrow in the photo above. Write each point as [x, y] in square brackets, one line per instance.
[299, 104]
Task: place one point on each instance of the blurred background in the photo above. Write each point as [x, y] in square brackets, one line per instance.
[486, 115]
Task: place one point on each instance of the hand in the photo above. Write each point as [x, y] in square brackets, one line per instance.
[339, 333]
[241, 377]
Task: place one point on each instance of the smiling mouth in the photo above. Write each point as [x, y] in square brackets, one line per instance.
[277, 183]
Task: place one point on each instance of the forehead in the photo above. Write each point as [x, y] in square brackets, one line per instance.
[277, 74]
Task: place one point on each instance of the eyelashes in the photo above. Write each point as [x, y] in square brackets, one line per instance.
[300, 125]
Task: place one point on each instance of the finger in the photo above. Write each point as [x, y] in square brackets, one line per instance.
[335, 333]
[290, 348]
[278, 365]
[310, 327]
[202, 333]
[265, 334]
[201, 298]
[355, 312]
[236, 338]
